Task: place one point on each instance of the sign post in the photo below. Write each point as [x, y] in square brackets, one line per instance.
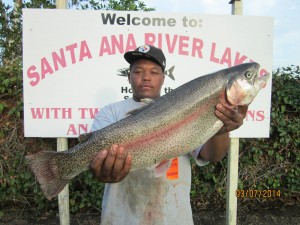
[63, 196]
[233, 155]
[62, 144]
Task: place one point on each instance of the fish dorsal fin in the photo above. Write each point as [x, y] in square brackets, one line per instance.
[145, 101]
[84, 137]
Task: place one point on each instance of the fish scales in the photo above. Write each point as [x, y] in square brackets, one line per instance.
[182, 131]
[162, 107]
[170, 126]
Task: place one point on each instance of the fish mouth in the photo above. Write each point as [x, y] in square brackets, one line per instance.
[262, 80]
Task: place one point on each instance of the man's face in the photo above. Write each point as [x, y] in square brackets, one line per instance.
[146, 79]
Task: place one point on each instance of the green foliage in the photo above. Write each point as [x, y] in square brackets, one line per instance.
[11, 88]
[124, 5]
[44, 4]
[128, 5]
[86, 192]
[10, 62]
[10, 35]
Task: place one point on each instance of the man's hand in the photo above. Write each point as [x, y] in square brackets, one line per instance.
[217, 146]
[232, 118]
[112, 165]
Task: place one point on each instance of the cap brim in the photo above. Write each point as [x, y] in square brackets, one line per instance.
[132, 56]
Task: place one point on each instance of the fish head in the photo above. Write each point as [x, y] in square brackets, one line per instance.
[244, 83]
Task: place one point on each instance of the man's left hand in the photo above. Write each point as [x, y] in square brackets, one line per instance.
[231, 117]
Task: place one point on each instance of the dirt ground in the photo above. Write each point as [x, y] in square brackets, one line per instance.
[288, 215]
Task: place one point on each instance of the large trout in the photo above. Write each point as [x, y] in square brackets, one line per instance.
[168, 127]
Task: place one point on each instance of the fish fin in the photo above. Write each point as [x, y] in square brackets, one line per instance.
[146, 101]
[44, 169]
[162, 168]
[84, 137]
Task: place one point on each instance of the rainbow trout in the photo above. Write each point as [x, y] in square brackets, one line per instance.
[170, 126]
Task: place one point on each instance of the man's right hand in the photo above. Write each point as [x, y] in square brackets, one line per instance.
[111, 165]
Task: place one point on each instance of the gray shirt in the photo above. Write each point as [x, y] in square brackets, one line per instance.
[142, 198]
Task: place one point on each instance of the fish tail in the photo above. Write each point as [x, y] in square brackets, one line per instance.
[45, 171]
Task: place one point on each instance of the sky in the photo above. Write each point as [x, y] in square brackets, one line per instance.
[286, 14]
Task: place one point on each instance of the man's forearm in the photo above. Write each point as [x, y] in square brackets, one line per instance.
[215, 148]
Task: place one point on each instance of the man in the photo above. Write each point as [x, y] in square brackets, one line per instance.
[139, 197]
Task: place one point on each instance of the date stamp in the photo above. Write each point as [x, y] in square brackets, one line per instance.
[252, 193]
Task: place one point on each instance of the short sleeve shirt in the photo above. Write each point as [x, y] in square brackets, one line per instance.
[141, 198]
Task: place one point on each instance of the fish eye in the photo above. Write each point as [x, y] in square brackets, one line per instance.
[248, 74]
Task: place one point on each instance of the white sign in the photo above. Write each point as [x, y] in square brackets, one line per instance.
[73, 61]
